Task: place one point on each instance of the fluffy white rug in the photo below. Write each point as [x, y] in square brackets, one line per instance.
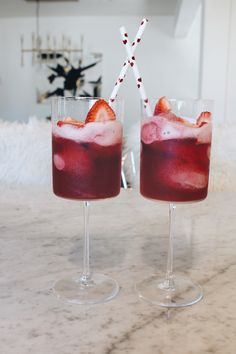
[223, 155]
[25, 152]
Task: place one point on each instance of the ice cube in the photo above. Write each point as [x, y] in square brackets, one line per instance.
[59, 162]
[190, 179]
[161, 127]
[149, 132]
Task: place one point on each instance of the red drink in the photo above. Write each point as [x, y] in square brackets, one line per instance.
[87, 161]
[86, 158]
[174, 158]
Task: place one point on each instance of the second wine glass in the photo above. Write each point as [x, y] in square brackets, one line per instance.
[175, 160]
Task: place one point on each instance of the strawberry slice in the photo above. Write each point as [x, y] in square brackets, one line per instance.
[162, 106]
[70, 121]
[100, 112]
[204, 118]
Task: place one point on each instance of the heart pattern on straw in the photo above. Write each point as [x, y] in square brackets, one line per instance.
[133, 63]
[126, 64]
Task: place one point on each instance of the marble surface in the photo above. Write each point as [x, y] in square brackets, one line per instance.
[41, 241]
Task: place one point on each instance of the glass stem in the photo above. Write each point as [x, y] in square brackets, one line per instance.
[169, 268]
[86, 274]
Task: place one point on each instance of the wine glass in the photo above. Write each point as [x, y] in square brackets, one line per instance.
[175, 159]
[86, 159]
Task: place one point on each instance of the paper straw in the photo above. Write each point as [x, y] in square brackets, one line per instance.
[125, 66]
[133, 64]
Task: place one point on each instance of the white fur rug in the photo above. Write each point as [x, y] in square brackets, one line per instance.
[25, 154]
[223, 155]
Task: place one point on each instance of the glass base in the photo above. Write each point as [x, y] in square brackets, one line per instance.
[75, 290]
[179, 292]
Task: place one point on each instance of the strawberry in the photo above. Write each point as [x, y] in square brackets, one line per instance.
[205, 117]
[70, 121]
[162, 106]
[100, 112]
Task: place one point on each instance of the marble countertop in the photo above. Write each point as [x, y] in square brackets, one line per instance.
[41, 241]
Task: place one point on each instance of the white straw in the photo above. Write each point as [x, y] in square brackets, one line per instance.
[133, 64]
[122, 74]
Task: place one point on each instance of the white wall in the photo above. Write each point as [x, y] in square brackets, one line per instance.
[218, 78]
[230, 110]
[169, 66]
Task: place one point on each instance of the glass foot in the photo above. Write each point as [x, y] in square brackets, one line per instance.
[180, 292]
[74, 290]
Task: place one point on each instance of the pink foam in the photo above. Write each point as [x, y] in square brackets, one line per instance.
[161, 127]
[102, 133]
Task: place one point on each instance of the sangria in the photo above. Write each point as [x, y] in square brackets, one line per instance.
[86, 159]
[175, 161]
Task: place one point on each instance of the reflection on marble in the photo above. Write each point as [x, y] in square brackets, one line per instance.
[41, 241]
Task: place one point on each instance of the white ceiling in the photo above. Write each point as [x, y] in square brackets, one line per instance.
[21, 8]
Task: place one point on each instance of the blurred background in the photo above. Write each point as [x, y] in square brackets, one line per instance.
[73, 47]
[188, 50]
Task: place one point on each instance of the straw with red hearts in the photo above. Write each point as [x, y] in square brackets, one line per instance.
[121, 76]
[133, 64]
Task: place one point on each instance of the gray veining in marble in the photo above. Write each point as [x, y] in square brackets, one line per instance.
[41, 241]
